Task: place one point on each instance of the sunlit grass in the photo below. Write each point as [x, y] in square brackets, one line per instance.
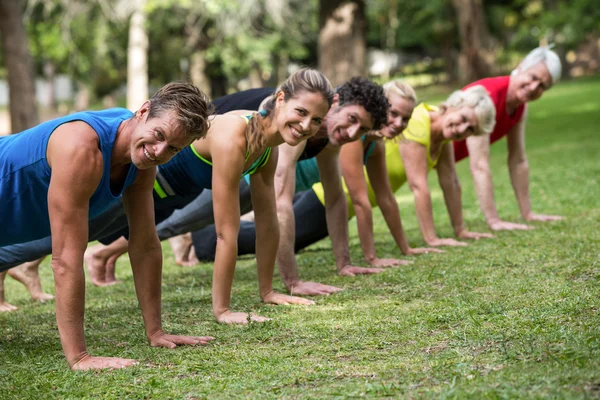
[516, 316]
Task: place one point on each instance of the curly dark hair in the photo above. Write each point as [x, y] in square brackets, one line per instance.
[364, 92]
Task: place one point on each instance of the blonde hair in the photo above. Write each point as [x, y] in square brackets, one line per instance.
[479, 100]
[303, 80]
[400, 88]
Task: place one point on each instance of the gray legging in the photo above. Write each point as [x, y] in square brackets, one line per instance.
[199, 213]
[195, 215]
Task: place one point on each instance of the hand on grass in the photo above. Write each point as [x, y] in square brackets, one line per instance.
[465, 234]
[543, 218]
[413, 251]
[242, 318]
[350, 270]
[387, 262]
[284, 299]
[445, 242]
[508, 226]
[312, 289]
[88, 362]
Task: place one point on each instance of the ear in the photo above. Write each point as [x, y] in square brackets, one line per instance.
[280, 99]
[336, 100]
[142, 113]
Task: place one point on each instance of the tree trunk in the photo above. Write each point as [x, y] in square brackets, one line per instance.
[342, 39]
[198, 72]
[137, 58]
[474, 40]
[19, 64]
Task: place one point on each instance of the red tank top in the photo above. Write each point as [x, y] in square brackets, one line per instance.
[497, 88]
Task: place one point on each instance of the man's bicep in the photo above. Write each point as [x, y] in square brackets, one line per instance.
[139, 203]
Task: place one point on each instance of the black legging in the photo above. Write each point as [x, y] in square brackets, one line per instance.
[311, 226]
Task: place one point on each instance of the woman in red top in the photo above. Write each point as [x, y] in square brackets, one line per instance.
[536, 74]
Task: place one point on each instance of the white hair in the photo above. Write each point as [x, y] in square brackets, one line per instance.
[479, 100]
[400, 88]
[545, 55]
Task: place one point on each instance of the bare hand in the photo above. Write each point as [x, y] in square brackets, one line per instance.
[312, 289]
[229, 317]
[422, 250]
[350, 270]
[445, 242]
[543, 218]
[284, 299]
[88, 362]
[387, 262]
[508, 226]
[465, 234]
[161, 339]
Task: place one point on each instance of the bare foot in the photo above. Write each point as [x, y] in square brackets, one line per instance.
[4, 306]
[184, 250]
[111, 264]
[7, 307]
[28, 274]
[96, 265]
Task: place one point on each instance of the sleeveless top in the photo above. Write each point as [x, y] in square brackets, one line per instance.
[307, 171]
[418, 130]
[25, 175]
[497, 88]
[188, 173]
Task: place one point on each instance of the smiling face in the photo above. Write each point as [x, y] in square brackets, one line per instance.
[530, 84]
[398, 116]
[156, 140]
[348, 123]
[301, 116]
[458, 123]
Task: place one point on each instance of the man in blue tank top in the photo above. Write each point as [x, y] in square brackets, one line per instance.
[59, 174]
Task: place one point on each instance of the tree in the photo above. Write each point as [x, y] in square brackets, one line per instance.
[137, 57]
[19, 64]
[342, 39]
[474, 40]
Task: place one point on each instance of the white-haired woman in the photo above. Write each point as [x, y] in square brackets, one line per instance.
[510, 94]
[426, 143]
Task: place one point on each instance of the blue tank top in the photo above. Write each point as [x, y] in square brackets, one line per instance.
[188, 173]
[25, 175]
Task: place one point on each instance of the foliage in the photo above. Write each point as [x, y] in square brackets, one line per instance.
[512, 317]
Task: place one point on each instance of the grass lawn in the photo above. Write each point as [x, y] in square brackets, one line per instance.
[516, 316]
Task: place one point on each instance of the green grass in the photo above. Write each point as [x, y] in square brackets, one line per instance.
[513, 317]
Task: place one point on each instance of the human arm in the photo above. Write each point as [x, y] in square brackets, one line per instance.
[75, 159]
[479, 163]
[414, 158]
[378, 176]
[518, 167]
[228, 157]
[450, 185]
[267, 232]
[336, 211]
[145, 254]
[285, 185]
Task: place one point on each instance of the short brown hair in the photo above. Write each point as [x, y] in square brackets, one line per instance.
[191, 106]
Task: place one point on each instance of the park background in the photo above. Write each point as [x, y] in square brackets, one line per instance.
[516, 316]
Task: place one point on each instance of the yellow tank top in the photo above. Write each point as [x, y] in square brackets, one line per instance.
[418, 130]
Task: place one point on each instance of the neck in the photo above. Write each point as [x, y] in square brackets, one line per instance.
[272, 136]
[121, 153]
[511, 100]
[435, 124]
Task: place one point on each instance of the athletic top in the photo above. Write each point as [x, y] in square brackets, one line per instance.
[25, 175]
[497, 88]
[188, 173]
[244, 100]
[418, 130]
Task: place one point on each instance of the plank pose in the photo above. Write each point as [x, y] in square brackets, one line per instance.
[59, 174]
[535, 75]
